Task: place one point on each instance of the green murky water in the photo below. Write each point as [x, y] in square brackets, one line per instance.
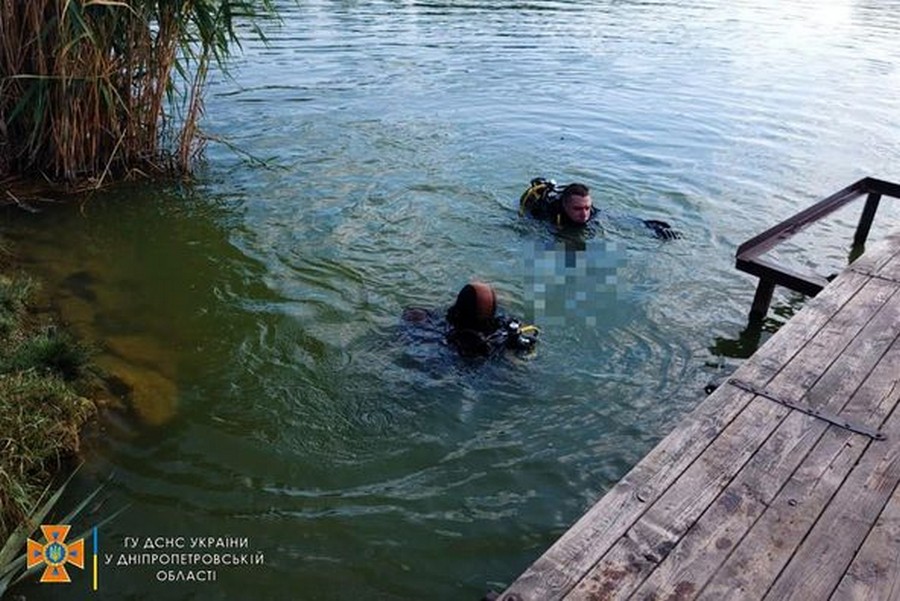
[277, 398]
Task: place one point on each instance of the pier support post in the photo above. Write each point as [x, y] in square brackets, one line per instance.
[762, 299]
[865, 220]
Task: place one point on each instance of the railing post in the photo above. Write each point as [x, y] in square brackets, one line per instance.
[865, 220]
[762, 299]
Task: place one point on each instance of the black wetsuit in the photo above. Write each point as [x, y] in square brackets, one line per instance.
[503, 333]
[547, 205]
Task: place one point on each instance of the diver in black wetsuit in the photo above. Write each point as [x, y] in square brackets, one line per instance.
[474, 327]
[572, 206]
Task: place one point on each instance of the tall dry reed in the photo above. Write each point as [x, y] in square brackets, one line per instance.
[98, 89]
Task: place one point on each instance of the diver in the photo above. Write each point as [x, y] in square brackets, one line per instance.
[474, 327]
[571, 207]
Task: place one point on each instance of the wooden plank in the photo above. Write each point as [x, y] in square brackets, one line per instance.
[804, 327]
[771, 538]
[881, 186]
[715, 535]
[560, 568]
[890, 269]
[825, 554]
[767, 270]
[881, 257]
[768, 547]
[649, 542]
[875, 572]
[777, 234]
[563, 565]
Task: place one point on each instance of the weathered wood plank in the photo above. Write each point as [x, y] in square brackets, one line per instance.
[557, 571]
[825, 554]
[767, 548]
[653, 536]
[889, 269]
[883, 256]
[772, 538]
[789, 516]
[648, 543]
[706, 545]
[875, 572]
[564, 564]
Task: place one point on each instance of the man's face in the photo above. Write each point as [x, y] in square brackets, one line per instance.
[578, 208]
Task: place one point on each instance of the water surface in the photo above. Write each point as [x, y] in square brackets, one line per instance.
[276, 395]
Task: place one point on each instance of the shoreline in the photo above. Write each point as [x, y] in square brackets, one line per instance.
[50, 392]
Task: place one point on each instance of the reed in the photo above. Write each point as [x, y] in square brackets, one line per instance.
[98, 89]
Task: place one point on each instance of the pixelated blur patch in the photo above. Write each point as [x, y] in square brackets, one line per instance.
[566, 286]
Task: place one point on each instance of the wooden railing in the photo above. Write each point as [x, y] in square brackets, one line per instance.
[749, 254]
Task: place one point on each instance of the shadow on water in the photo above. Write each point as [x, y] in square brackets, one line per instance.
[758, 331]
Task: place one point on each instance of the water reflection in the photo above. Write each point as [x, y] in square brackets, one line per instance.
[758, 331]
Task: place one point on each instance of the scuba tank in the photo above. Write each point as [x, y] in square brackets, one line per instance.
[520, 337]
[538, 196]
[515, 336]
[510, 334]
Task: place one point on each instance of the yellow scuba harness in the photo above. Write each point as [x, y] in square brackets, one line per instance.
[541, 200]
[539, 196]
[539, 192]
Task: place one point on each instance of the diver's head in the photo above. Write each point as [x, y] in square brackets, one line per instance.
[475, 307]
[576, 203]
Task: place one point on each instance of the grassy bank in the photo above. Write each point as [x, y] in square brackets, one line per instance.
[45, 376]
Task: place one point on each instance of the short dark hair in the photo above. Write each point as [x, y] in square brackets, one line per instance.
[574, 189]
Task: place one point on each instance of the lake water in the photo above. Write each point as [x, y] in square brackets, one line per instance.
[277, 398]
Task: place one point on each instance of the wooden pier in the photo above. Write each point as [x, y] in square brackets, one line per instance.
[782, 484]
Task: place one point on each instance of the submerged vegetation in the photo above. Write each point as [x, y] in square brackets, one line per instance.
[91, 91]
[44, 375]
[98, 89]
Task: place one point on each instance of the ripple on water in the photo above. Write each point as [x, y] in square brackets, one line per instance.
[399, 137]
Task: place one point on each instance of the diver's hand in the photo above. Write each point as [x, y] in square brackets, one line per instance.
[662, 230]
